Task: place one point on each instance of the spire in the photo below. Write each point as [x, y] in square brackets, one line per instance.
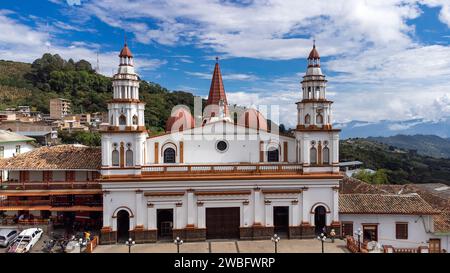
[217, 91]
[125, 52]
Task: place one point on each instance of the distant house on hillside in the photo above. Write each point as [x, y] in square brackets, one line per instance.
[39, 131]
[12, 144]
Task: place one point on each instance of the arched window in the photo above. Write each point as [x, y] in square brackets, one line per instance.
[129, 157]
[326, 155]
[111, 121]
[115, 157]
[307, 119]
[319, 119]
[235, 117]
[272, 155]
[169, 155]
[313, 156]
[309, 93]
[122, 120]
[135, 120]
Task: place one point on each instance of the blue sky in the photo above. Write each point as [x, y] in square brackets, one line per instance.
[386, 59]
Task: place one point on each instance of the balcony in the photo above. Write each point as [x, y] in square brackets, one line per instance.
[27, 203]
[54, 185]
[222, 169]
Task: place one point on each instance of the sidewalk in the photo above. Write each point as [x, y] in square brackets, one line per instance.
[231, 246]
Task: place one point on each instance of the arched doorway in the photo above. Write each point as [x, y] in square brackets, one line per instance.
[123, 226]
[320, 217]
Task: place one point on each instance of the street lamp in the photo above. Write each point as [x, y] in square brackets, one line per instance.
[322, 239]
[275, 239]
[130, 243]
[359, 233]
[178, 242]
[81, 243]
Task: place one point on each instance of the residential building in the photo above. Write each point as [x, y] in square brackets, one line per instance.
[59, 108]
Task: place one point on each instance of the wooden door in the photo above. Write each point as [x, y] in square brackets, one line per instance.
[435, 245]
[222, 223]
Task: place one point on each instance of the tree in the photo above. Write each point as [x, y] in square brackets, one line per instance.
[378, 177]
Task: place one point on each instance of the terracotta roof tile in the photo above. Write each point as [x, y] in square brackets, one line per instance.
[384, 204]
[216, 91]
[314, 54]
[125, 52]
[61, 157]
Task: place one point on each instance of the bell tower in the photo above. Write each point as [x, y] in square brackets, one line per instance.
[317, 141]
[123, 142]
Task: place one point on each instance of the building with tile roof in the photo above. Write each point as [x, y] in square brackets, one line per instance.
[56, 182]
[423, 210]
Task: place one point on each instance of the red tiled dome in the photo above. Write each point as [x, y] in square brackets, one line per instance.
[314, 54]
[252, 118]
[180, 120]
[125, 52]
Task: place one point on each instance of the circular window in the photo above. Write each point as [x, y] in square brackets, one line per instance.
[222, 146]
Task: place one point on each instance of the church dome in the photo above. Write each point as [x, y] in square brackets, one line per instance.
[252, 118]
[180, 120]
[314, 54]
[125, 52]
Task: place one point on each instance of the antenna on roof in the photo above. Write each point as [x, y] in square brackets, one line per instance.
[314, 42]
[98, 65]
[125, 37]
[217, 59]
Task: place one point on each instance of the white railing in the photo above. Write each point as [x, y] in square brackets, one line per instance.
[222, 168]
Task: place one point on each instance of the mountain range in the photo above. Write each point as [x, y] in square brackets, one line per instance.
[426, 145]
[387, 128]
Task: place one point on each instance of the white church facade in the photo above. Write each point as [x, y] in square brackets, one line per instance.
[224, 175]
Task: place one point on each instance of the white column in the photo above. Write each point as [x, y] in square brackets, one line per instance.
[247, 215]
[305, 208]
[294, 211]
[257, 206]
[179, 223]
[190, 208]
[139, 208]
[268, 214]
[335, 148]
[106, 210]
[105, 153]
[151, 217]
[201, 220]
[335, 211]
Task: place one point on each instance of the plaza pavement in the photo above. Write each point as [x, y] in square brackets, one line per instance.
[231, 246]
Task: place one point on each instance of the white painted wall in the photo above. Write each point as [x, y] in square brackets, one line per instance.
[121, 195]
[418, 228]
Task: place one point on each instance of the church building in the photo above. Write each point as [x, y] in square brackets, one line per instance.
[227, 175]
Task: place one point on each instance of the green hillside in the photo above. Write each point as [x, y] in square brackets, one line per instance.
[51, 77]
[429, 145]
[402, 166]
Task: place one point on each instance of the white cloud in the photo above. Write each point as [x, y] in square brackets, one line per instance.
[20, 42]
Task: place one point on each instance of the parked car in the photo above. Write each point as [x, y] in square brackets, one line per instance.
[7, 236]
[26, 240]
